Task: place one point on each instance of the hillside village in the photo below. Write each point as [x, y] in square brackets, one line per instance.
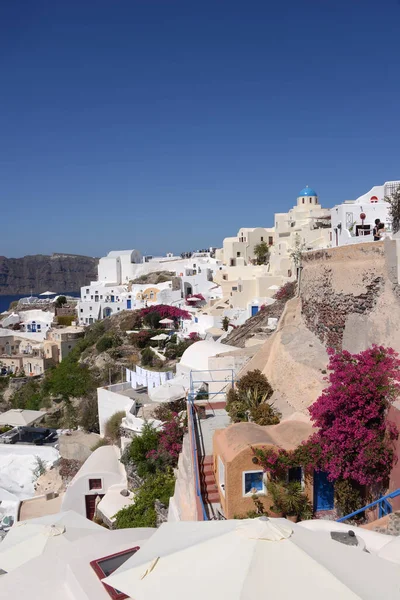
[254, 387]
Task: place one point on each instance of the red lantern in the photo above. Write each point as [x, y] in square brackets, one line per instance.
[363, 216]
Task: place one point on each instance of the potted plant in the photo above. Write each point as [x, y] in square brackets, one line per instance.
[290, 501]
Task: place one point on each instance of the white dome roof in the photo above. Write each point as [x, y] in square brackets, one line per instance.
[197, 355]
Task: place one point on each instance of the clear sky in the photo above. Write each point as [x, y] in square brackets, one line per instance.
[165, 125]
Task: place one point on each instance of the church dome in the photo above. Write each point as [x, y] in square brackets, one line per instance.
[307, 191]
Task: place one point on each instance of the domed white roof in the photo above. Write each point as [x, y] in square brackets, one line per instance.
[197, 355]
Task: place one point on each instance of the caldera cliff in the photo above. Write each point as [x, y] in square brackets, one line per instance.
[39, 273]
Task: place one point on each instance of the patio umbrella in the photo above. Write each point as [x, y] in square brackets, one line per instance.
[168, 392]
[48, 293]
[166, 321]
[248, 559]
[29, 539]
[160, 337]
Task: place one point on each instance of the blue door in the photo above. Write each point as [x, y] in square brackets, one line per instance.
[254, 310]
[112, 298]
[129, 304]
[323, 492]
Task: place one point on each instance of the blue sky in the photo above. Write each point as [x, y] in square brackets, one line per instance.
[166, 125]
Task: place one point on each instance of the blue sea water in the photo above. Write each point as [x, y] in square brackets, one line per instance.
[5, 301]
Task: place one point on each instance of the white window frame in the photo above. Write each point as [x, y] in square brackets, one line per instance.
[221, 469]
[263, 492]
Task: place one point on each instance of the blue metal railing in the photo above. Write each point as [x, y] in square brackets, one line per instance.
[384, 506]
[227, 381]
[192, 424]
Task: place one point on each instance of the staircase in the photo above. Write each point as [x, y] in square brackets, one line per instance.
[209, 489]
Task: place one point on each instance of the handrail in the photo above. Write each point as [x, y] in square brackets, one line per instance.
[381, 501]
[191, 413]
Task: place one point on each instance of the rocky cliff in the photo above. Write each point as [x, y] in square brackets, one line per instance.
[39, 273]
[351, 297]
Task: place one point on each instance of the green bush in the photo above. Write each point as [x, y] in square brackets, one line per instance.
[249, 401]
[104, 343]
[139, 448]
[89, 415]
[141, 513]
[266, 414]
[164, 411]
[113, 425]
[348, 497]
[108, 341]
[147, 357]
[28, 396]
[131, 320]
[152, 319]
[66, 320]
[255, 381]
[100, 443]
[290, 500]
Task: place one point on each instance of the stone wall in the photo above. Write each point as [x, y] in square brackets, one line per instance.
[348, 299]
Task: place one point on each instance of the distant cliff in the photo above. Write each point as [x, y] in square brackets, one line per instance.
[39, 273]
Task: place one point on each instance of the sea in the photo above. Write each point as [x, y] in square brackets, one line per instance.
[5, 301]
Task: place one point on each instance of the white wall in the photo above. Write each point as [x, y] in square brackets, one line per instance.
[344, 215]
[109, 270]
[74, 497]
[109, 402]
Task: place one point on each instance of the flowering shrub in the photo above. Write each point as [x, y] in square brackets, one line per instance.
[355, 437]
[194, 337]
[141, 339]
[169, 442]
[286, 292]
[354, 440]
[166, 312]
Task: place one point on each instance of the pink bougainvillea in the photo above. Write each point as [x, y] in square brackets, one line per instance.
[166, 312]
[170, 442]
[354, 439]
[194, 336]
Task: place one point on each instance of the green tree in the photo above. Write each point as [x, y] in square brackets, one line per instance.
[152, 319]
[394, 209]
[261, 252]
[89, 415]
[61, 300]
[296, 253]
[69, 379]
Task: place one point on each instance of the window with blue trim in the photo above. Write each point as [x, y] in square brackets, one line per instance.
[253, 483]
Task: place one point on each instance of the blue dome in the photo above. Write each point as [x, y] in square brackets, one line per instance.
[307, 191]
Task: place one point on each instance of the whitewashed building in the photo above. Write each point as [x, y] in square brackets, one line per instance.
[116, 291]
[353, 220]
